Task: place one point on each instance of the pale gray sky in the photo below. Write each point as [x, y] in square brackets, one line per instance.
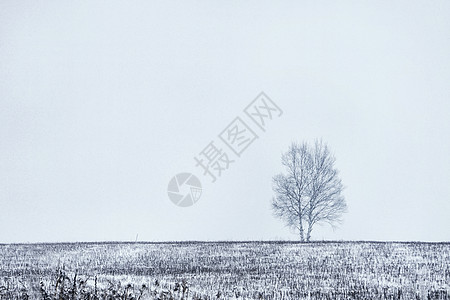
[101, 103]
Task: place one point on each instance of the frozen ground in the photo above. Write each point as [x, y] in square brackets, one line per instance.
[226, 270]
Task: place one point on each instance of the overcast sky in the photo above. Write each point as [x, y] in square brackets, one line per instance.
[101, 104]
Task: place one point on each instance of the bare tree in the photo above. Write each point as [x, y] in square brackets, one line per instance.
[310, 192]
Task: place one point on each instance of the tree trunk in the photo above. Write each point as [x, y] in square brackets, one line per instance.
[308, 233]
[302, 235]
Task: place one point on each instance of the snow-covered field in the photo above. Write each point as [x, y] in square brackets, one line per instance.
[226, 270]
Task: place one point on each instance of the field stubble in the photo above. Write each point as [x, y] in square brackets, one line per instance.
[225, 270]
